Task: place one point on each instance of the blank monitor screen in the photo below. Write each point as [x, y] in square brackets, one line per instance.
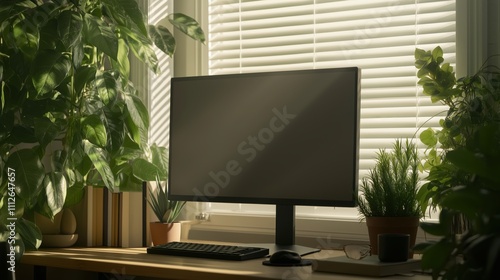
[286, 138]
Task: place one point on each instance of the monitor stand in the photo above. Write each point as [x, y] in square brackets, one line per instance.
[285, 233]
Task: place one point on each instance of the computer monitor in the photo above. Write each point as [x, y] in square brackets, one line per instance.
[285, 138]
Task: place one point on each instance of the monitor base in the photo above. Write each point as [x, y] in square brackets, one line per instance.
[301, 250]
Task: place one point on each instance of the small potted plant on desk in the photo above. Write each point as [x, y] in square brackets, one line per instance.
[388, 199]
[166, 229]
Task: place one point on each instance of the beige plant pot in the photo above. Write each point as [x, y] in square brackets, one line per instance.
[378, 225]
[164, 233]
[58, 233]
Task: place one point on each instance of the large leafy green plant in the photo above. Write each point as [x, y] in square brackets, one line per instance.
[464, 164]
[69, 115]
[472, 103]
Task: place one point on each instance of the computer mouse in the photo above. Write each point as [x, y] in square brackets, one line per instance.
[285, 257]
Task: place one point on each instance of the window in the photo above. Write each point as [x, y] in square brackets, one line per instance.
[378, 36]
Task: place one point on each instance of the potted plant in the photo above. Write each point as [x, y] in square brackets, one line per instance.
[463, 161]
[166, 229]
[388, 199]
[70, 116]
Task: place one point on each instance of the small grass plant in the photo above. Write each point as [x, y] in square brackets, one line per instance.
[390, 189]
[166, 210]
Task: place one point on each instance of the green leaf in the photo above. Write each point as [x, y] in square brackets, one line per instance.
[428, 137]
[163, 39]
[107, 85]
[94, 131]
[50, 68]
[436, 229]
[141, 46]
[74, 196]
[100, 162]
[130, 9]
[115, 128]
[100, 35]
[138, 112]
[69, 27]
[78, 53]
[473, 162]
[420, 247]
[45, 131]
[159, 157]
[29, 174]
[134, 132]
[123, 58]
[55, 190]
[437, 53]
[30, 234]
[436, 257]
[83, 75]
[421, 58]
[144, 170]
[26, 37]
[487, 139]
[188, 26]
[471, 201]
[11, 8]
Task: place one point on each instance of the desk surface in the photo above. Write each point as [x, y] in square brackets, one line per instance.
[135, 261]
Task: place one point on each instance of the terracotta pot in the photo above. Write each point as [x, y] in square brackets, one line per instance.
[164, 233]
[378, 225]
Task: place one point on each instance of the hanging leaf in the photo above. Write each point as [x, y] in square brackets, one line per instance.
[30, 234]
[144, 170]
[138, 112]
[26, 37]
[45, 131]
[134, 133]
[474, 163]
[130, 9]
[187, 25]
[115, 128]
[107, 86]
[163, 39]
[100, 35]
[436, 256]
[69, 27]
[9, 8]
[100, 162]
[50, 68]
[94, 131]
[29, 174]
[55, 190]
[78, 53]
[123, 62]
[83, 76]
[141, 46]
[159, 157]
[74, 195]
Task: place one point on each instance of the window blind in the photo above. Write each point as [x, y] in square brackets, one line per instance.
[378, 36]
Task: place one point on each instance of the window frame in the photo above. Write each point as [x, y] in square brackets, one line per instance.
[314, 230]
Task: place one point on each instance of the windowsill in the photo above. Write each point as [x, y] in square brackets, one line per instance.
[325, 233]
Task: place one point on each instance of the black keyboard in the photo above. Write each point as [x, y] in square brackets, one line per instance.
[209, 251]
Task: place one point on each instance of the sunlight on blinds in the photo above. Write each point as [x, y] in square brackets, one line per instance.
[159, 84]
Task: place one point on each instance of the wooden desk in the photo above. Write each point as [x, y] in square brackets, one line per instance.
[136, 262]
